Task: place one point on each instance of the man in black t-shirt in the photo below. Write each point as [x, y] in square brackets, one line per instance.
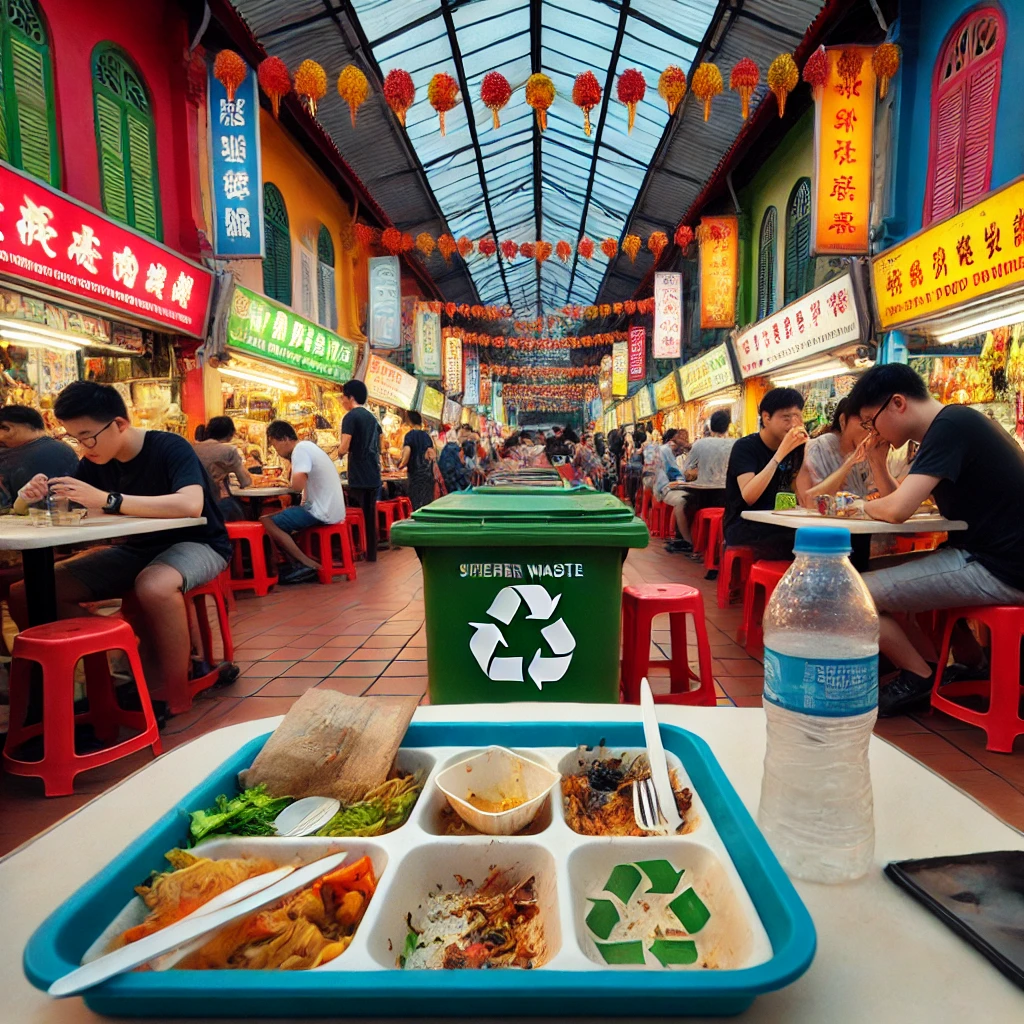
[975, 471]
[26, 449]
[128, 471]
[360, 441]
[760, 466]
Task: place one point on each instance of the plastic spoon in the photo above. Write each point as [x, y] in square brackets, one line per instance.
[306, 816]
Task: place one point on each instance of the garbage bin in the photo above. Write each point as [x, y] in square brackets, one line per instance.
[523, 592]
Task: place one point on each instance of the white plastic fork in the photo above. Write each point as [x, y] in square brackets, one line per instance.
[646, 809]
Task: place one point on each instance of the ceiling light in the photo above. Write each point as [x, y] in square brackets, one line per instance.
[24, 338]
[831, 368]
[981, 325]
[277, 383]
[24, 327]
[725, 400]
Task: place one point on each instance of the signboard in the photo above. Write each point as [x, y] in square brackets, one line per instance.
[642, 403]
[431, 403]
[666, 392]
[261, 327]
[384, 321]
[637, 353]
[385, 382]
[668, 315]
[452, 413]
[426, 351]
[471, 388]
[719, 268]
[451, 351]
[954, 262]
[485, 389]
[52, 240]
[628, 412]
[844, 122]
[235, 168]
[497, 403]
[707, 373]
[620, 368]
[818, 321]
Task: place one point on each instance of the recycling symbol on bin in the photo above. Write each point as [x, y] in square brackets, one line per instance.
[488, 637]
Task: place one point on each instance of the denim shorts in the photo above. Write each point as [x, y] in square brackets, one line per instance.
[296, 518]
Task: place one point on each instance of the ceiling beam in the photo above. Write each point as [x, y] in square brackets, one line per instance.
[536, 25]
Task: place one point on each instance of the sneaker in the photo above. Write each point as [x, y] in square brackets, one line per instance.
[300, 574]
[907, 692]
[957, 673]
[676, 546]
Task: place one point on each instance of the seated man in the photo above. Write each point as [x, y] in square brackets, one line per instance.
[221, 458]
[762, 465]
[129, 471]
[666, 479]
[26, 449]
[323, 501]
[975, 471]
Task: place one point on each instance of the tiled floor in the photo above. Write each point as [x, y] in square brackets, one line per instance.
[367, 637]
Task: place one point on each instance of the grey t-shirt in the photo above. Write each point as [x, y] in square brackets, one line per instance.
[823, 458]
[710, 457]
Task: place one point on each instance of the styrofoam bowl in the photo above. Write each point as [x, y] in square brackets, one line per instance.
[496, 774]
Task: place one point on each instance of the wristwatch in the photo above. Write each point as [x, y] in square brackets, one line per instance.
[113, 503]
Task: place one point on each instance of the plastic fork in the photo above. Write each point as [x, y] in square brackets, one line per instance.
[646, 808]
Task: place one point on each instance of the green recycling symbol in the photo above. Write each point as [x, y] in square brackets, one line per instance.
[658, 911]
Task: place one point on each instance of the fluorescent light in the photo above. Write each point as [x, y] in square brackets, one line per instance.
[277, 383]
[830, 368]
[727, 400]
[24, 338]
[981, 326]
[23, 327]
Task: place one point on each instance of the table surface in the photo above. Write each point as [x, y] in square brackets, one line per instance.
[881, 956]
[693, 485]
[261, 492]
[17, 535]
[922, 524]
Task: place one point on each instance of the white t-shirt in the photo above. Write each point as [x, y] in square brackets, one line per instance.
[323, 497]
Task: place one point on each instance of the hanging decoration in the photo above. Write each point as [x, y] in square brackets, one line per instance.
[886, 62]
[683, 236]
[399, 92]
[540, 94]
[391, 239]
[563, 250]
[465, 247]
[744, 78]
[543, 251]
[425, 243]
[851, 60]
[541, 372]
[631, 246]
[586, 94]
[486, 247]
[610, 247]
[585, 248]
[816, 72]
[408, 243]
[443, 93]
[230, 70]
[657, 242]
[631, 89]
[629, 306]
[353, 88]
[706, 84]
[311, 84]
[527, 249]
[509, 249]
[275, 81]
[783, 78]
[367, 236]
[672, 87]
[495, 92]
[515, 344]
[446, 246]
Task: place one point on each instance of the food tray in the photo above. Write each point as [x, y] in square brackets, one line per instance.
[763, 927]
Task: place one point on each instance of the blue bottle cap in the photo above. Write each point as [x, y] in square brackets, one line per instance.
[822, 540]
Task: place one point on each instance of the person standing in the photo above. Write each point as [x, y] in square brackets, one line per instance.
[221, 458]
[26, 449]
[417, 459]
[360, 441]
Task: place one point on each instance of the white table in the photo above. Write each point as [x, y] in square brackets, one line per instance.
[257, 494]
[881, 957]
[916, 524]
[693, 485]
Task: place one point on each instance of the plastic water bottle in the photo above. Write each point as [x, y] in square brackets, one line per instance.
[821, 701]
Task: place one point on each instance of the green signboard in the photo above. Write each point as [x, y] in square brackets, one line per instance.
[260, 327]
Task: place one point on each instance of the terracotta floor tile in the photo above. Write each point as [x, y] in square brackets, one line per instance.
[374, 653]
[360, 668]
[254, 653]
[354, 687]
[384, 642]
[320, 669]
[294, 686]
[406, 668]
[741, 686]
[737, 667]
[398, 685]
[747, 702]
[412, 654]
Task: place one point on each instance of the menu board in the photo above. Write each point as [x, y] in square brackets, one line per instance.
[707, 373]
[385, 382]
[642, 403]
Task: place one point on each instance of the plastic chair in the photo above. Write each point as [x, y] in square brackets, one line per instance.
[57, 648]
[254, 537]
[1001, 720]
[732, 578]
[387, 515]
[639, 607]
[762, 580]
[404, 506]
[702, 527]
[180, 699]
[323, 550]
[356, 522]
[662, 520]
[715, 543]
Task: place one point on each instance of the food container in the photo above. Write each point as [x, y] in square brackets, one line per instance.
[785, 499]
[845, 503]
[826, 505]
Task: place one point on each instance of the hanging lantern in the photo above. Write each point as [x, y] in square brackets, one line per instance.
[450, 307]
[783, 78]
[706, 84]
[816, 71]
[610, 247]
[586, 94]
[683, 236]
[509, 249]
[657, 243]
[629, 306]
[495, 92]
[486, 247]
[275, 81]
[425, 243]
[408, 243]
[230, 70]
[367, 236]
[311, 84]
[543, 251]
[631, 246]
[585, 248]
[528, 250]
[540, 94]
[443, 93]
[744, 78]
[563, 250]
[391, 239]
[631, 89]
[399, 92]
[353, 88]
[849, 64]
[446, 246]
[885, 62]
[465, 247]
[672, 87]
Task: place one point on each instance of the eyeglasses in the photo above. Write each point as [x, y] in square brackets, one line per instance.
[90, 441]
[869, 425]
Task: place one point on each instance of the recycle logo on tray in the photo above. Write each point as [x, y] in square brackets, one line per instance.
[613, 920]
[541, 607]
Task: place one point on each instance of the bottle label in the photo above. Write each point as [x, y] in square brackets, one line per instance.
[833, 687]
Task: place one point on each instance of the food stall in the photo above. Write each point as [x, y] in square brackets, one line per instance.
[668, 402]
[391, 393]
[708, 383]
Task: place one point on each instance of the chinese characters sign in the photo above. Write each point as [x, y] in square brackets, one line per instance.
[666, 392]
[824, 319]
[620, 368]
[384, 320]
[642, 404]
[49, 238]
[452, 412]
[452, 358]
[637, 353]
[844, 120]
[426, 353]
[261, 327]
[719, 266]
[706, 374]
[668, 315]
[471, 391]
[237, 186]
[959, 260]
[431, 403]
[387, 383]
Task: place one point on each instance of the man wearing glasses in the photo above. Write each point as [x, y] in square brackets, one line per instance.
[125, 470]
[975, 471]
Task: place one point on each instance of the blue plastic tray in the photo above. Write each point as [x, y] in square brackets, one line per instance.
[60, 942]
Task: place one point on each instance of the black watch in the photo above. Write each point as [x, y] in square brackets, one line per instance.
[113, 503]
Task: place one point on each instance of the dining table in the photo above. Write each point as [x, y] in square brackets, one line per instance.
[257, 495]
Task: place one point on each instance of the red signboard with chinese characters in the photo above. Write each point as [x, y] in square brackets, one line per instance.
[844, 121]
[51, 239]
[637, 353]
[719, 268]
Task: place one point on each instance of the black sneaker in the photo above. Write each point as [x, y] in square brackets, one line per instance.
[957, 673]
[676, 546]
[907, 692]
[301, 574]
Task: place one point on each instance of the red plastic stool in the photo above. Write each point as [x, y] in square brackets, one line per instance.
[639, 607]
[702, 527]
[1001, 721]
[387, 515]
[57, 648]
[323, 549]
[356, 522]
[404, 506]
[662, 519]
[643, 506]
[180, 699]
[732, 578]
[762, 580]
[260, 558]
[715, 543]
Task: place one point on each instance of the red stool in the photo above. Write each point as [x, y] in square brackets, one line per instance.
[761, 583]
[180, 700]
[387, 514]
[702, 526]
[57, 648]
[732, 577]
[356, 522]
[639, 607]
[715, 543]
[643, 505]
[1001, 721]
[260, 558]
[323, 549]
[404, 506]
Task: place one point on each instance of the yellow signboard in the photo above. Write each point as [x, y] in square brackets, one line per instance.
[719, 266]
[666, 392]
[620, 368]
[959, 260]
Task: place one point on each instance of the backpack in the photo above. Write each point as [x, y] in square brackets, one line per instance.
[452, 470]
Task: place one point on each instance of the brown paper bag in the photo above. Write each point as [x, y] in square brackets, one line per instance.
[331, 744]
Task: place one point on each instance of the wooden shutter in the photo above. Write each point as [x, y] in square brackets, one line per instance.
[798, 242]
[113, 180]
[948, 156]
[327, 300]
[30, 74]
[5, 151]
[980, 131]
[144, 195]
[766, 265]
[277, 264]
[307, 284]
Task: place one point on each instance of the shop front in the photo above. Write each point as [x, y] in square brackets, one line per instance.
[391, 394]
[707, 384]
[668, 402]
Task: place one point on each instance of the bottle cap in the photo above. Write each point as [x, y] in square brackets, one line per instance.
[822, 540]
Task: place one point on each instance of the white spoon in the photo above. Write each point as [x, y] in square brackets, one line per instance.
[306, 816]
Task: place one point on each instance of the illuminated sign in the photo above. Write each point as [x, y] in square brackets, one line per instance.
[620, 368]
[637, 353]
[666, 392]
[385, 382]
[668, 316]
[719, 267]
[452, 360]
[431, 402]
[426, 351]
[706, 374]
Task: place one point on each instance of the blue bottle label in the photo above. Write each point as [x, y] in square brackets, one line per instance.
[833, 687]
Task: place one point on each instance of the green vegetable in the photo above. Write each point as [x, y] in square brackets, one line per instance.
[385, 808]
[409, 948]
[251, 813]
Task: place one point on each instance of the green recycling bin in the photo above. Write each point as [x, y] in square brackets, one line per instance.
[523, 592]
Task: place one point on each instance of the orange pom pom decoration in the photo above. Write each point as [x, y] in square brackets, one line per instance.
[230, 70]
[706, 84]
[425, 243]
[399, 92]
[563, 251]
[528, 250]
[885, 62]
[657, 243]
[744, 78]
[629, 306]
[540, 94]
[683, 236]
[631, 246]
[449, 307]
[443, 93]
[353, 88]
[446, 246]
[509, 249]
[610, 247]
[486, 247]
[816, 71]
[585, 248]
[586, 94]
[783, 78]
[275, 81]
[672, 87]
[495, 92]
[311, 83]
[465, 247]
[391, 239]
[367, 236]
[543, 251]
[408, 243]
[631, 88]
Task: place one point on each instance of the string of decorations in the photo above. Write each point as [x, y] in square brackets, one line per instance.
[542, 372]
[530, 394]
[453, 311]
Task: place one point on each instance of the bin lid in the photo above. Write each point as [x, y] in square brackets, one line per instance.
[508, 515]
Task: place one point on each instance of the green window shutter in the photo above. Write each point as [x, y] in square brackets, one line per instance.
[145, 197]
[5, 150]
[28, 68]
[766, 297]
[799, 267]
[113, 180]
[277, 264]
